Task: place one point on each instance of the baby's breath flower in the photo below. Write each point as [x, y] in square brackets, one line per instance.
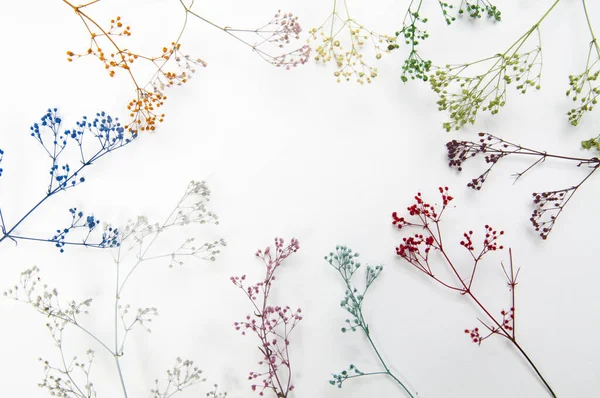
[584, 88]
[464, 96]
[341, 40]
[478, 8]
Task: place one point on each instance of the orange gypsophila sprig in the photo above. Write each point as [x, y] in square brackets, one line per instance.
[106, 46]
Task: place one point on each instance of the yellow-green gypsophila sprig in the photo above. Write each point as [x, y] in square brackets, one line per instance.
[463, 96]
[592, 143]
[585, 87]
[342, 39]
[486, 91]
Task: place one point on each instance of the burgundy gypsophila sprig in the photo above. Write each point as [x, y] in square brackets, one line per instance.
[548, 205]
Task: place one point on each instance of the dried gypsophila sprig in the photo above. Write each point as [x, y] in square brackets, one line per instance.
[549, 205]
[463, 96]
[149, 97]
[339, 31]
[413, 33]
[280, 31]
[345, 262]
[138, 237]
[183, 375]
[61, 382]
[272, 324]
[585, 87]
[71, 152]
[420, 250]
[478, 8]
[268, 40]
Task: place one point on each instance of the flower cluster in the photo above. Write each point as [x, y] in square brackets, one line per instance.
[136, 243]
[464, 96]
[272, 324]
[110, 236]
[268, 40]
[280, 31]
[143, 109]
[183, 375]
[417, 250]
[414, 66]
[413, 33]
[345, 262]
[585, 87]
[478, 8]
[83, 145]
[548, 205]
[77, 381]
[347, 53]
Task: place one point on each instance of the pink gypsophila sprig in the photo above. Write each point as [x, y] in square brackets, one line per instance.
[272, 324]
[419, 248]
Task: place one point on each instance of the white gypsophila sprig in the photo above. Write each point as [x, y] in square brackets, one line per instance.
[143, 317]
[206, 251]
[67, 379]
[45, 300]
[192, 207]
[60, 382]
[139, 235]
[183, 375]
[131, 245]
[215, 393]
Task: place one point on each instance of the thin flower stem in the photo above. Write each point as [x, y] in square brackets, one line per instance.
[83, 17]
[431, 238]
[93, 336]
[121, 375]
[221, 28]
[589, 23]
[387, 370]
[118, 353]
[67, 371]
[500, 327]
[95, 157]
[513, 282]
[91, 245]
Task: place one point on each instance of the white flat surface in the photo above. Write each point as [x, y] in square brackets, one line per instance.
[295, 154]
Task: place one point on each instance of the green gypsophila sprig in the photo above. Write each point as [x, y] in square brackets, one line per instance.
[414, 66]
[413, 33]
[478, 8]
[585, 87]
[344, 260]
[464, 95]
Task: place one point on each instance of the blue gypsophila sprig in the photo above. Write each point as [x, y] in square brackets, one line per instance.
[70, 152]
[344, 260]
[86, 225]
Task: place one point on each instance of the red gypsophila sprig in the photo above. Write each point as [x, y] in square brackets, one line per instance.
[419, 250]
[272, 324]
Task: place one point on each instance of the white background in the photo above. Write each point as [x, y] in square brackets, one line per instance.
[295, 154]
